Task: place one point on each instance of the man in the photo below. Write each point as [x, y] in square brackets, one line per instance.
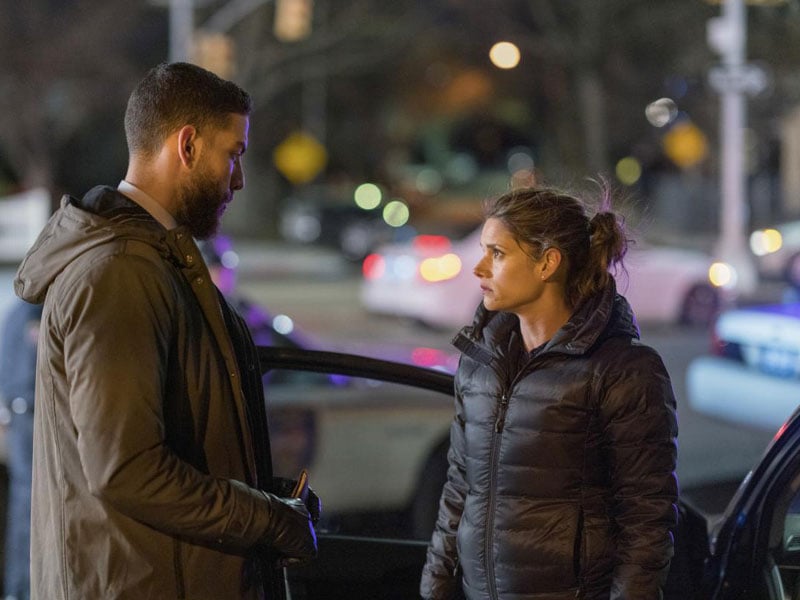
[17, 381]
[152, 472]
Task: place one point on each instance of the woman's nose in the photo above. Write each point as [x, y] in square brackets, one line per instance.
[479, 270]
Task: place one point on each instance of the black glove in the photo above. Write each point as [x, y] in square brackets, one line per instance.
[284, 487]
[290, 531]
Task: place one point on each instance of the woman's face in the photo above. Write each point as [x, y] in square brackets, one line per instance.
[510, 279]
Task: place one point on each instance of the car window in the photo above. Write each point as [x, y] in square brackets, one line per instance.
[375, 451]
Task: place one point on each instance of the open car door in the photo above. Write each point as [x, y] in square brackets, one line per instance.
[364, 428]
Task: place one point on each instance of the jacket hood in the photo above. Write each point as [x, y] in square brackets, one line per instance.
[79, 225]
[606, 314]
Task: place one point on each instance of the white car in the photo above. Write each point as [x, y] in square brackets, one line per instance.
[431, 280]
[752, 377]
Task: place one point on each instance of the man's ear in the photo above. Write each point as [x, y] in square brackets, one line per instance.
[187, 145]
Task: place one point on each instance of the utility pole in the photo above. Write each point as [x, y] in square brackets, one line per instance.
[734, 79]
[181, 29]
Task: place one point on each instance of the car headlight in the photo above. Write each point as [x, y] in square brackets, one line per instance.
[765, 241]
[440, 268]
[723, 275]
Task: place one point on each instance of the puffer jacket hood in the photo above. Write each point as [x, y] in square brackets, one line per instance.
[84, 224]
[600, 317]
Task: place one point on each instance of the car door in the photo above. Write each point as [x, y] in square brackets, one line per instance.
[755, 548]
[374, 549]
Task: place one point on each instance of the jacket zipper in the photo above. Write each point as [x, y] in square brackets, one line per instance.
[501, 414]
[489, 528]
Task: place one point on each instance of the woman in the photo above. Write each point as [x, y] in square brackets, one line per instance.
[562, 456]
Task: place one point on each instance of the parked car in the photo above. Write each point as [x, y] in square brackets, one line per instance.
[430, 280]
[327, 220]
[752, 551]
[752, 375]
[777, 252]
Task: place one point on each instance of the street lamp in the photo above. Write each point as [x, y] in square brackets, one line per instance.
[504, 55]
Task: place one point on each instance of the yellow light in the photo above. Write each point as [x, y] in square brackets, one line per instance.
[721, 274]
[765, 241]
[300, 157]
[504, 55]
[440, 268]
[628, 170]
[367, 196]
[396, 213]
[685, 144]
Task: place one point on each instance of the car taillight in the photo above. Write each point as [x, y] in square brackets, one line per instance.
[430, 244]
[440, 268]
[373, 267]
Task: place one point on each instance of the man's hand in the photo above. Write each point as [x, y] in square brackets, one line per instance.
[283, 487]
[290, 531]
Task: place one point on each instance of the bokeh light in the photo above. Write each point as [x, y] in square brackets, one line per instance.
[661, 112]
[722, 274]
[367, 196]
[283, 324]
[229, 259]
[628, 170]
[396, 213]
[504, 55]
[429, 181]
[765, 241]
[440, 268]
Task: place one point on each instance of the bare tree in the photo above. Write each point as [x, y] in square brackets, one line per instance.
[63, 63]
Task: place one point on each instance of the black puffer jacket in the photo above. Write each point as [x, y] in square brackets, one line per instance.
[561, 481]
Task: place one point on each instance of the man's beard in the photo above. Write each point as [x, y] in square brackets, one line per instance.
[200, 206]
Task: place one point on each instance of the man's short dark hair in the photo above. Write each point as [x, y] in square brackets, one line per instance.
[172, 95]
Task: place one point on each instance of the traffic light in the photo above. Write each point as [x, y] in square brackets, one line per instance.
[293, 19]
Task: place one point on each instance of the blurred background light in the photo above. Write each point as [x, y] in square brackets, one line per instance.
[396, 213]
[404, 267]
[367, 196]
[429, 181]
[229, 259]
[520, 159]
[628, 170]
[685, 144]
[661, 112]
[374, 266]
[504, 55]
[440, 268]
[283, 324]
[765, 241]
[722, 274]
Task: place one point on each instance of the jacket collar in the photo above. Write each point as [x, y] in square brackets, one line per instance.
[81, 224]
[606, 314]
